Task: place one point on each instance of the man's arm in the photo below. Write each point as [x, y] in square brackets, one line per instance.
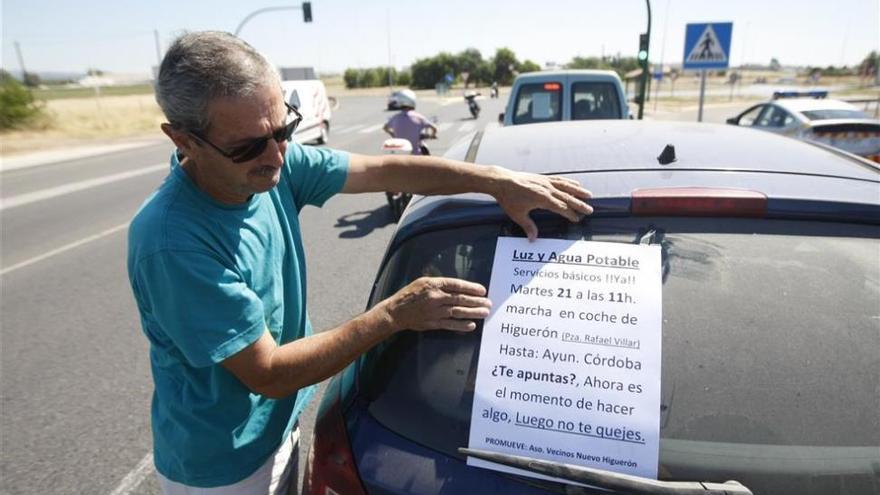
[426, 304]
[518, 193]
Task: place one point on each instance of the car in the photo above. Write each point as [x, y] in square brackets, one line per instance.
[813, 117]
[770, 253]
[310, 99]
[547, 96]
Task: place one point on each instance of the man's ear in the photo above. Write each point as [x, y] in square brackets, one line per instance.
[183, 140]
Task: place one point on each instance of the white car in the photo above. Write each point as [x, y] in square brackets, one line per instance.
[310, 98]
[812, 117]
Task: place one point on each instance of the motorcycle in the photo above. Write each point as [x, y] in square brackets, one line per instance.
[398, 201]
[471, 99]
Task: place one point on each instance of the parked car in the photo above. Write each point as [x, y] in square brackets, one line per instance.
[771, 325]
[565, 95]
[310, 98]
[813, 117]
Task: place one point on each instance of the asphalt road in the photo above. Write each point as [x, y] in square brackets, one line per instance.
[75, 382]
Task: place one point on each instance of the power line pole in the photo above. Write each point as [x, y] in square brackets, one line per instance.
[24, 76]
[158, 46]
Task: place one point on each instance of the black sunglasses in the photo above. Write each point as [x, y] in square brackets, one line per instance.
[255, 148]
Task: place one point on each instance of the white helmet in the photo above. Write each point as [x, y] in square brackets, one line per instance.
[406, 98]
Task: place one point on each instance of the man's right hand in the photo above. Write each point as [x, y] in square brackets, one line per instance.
[436, 303]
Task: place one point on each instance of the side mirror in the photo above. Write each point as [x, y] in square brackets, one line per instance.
[733, 121]
[501, 118]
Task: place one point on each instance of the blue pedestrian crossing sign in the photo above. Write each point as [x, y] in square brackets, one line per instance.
[707, 45]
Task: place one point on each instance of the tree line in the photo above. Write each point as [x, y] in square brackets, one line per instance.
[467, 67]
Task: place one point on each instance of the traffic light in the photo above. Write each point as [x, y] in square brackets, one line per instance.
[643, 48]
[307, 11]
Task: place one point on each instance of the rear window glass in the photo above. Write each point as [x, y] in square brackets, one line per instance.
[594, 100]
[771, 331]
[834, 114]
[538, 102]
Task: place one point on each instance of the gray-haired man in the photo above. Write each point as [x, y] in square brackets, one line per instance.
[216, 264]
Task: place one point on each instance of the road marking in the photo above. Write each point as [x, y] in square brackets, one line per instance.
[135, 476]
[62, 155]
[54, 192]
[444, 126]
[372, 128]
[66, 247]
[466, 127]
[347, 129]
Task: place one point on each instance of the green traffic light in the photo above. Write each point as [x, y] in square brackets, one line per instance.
[643, 55]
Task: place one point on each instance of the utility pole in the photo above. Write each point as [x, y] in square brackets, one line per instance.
[24, 77]
[158, 46]
[644, 45]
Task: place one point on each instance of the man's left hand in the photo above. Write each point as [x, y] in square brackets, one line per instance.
[518, 193]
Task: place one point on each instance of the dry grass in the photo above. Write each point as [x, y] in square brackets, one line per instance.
[74, 121]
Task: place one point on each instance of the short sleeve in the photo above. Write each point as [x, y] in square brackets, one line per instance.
[202, 306]
[316, 174]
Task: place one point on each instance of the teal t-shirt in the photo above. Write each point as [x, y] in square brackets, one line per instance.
[208, 280]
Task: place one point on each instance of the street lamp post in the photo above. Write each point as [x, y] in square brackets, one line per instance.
[306, 7]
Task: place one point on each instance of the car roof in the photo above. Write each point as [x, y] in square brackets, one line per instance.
[807, 104]
[612, 158]
[551, 74]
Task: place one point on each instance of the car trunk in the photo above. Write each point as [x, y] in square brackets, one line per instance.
[769, 363]
[860, 138]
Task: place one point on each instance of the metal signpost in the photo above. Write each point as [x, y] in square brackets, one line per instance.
[706, 46]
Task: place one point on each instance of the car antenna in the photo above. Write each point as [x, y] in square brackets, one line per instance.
[667, 156]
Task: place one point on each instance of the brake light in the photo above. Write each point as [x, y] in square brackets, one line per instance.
[698, 202]
[552, 86]
[330, 469]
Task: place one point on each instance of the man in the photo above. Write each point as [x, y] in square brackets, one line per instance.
[216, 266]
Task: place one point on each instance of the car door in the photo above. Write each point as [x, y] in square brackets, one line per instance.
[776, 119]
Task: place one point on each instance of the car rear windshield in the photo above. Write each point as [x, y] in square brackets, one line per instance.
[770, 353]
[594, 100]
[834, 114]
[538, 102]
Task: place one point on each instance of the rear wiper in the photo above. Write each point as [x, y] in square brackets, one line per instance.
[599, 478]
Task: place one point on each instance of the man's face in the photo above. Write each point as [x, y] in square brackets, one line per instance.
[235, 122]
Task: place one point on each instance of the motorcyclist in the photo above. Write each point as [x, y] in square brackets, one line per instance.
[493, 92]
[409, 124]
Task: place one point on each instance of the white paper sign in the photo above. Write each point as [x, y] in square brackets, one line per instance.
[569, 367]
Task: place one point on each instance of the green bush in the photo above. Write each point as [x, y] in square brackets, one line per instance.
[17, 105]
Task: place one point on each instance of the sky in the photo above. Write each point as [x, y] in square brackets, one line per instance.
[120, 35]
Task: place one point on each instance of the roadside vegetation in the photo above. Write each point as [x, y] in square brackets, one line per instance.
[18, 107]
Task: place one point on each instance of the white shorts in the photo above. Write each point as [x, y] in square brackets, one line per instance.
[276, 476]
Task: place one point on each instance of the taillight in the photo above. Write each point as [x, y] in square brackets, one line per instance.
[330, 469]
[552, 86]
[698, 202]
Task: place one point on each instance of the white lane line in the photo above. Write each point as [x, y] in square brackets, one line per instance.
[347, 129]
[466, 127]
[66, 247]
[444, 126]
[372, 128]
[53, 192]
[135, 476]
